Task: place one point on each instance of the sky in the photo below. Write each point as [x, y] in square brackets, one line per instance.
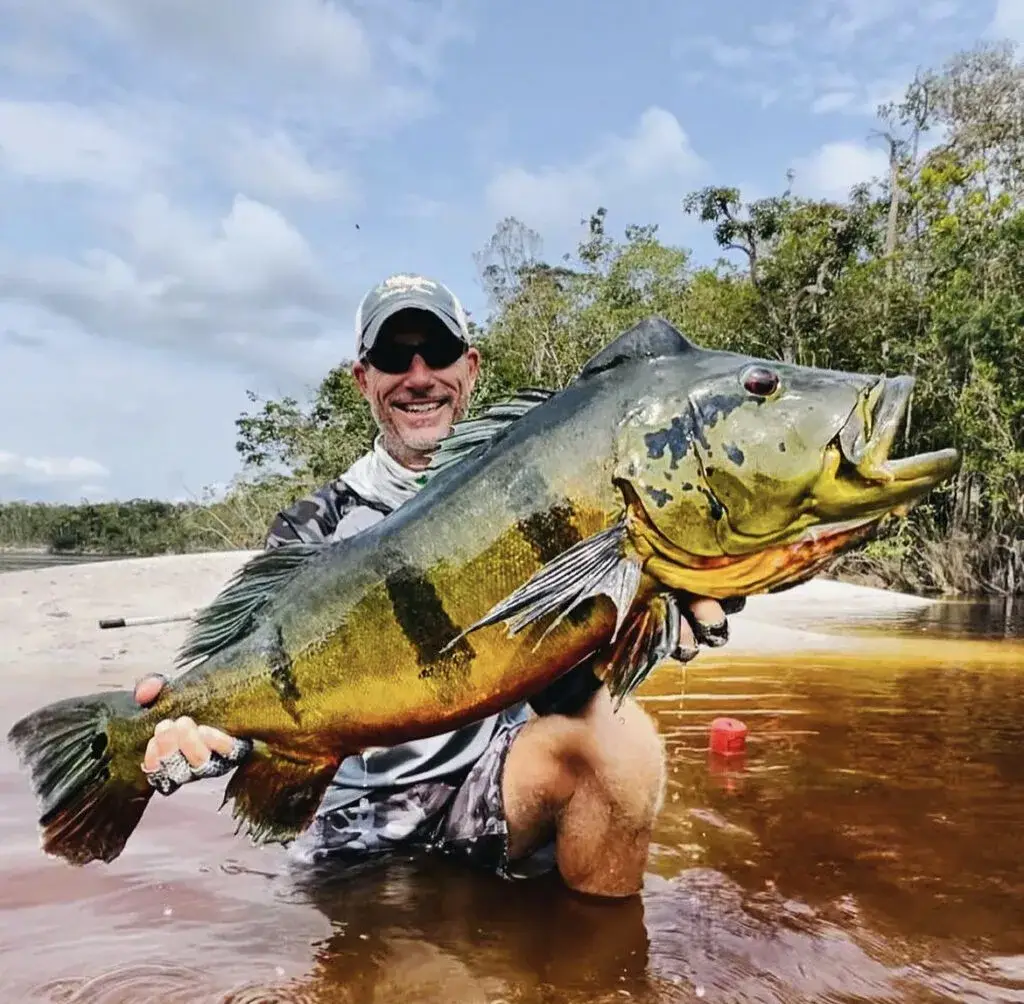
[196, 195]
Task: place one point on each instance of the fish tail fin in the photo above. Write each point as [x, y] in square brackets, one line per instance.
[275, 794]
[89, 785]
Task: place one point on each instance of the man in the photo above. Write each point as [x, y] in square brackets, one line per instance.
[562, 781]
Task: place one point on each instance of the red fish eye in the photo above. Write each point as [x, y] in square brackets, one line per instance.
[761, 381]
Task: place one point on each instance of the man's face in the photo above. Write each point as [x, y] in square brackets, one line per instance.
[416, 407]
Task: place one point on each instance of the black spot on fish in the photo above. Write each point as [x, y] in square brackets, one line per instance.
[678, 439]
[717, 510]
[687, 487]
[689, 428]
[660, 496]
[550, 532]
[668, 475]
[282, 676]
[425, 623]
[735, 454]
[782, 447]
[99, 745]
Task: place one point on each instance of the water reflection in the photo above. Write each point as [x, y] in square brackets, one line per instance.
[866, 847]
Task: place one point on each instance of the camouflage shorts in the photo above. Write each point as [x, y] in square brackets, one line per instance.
[464, 820]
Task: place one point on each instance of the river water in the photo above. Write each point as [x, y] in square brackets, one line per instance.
[867, 847]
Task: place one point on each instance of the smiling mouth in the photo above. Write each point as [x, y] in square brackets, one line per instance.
[420, 407]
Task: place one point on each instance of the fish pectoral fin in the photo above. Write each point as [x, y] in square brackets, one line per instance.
[601, 565]
[649, 638]
[276, 794]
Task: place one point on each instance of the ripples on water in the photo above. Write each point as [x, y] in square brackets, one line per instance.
[868, 847]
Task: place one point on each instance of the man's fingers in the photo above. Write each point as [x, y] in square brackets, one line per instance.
[151, 761]
[147, 690]
[687, 647]
[195, 750]
[214, 739]
[709, 622]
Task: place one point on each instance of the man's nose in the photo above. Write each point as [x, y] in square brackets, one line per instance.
[419, 373]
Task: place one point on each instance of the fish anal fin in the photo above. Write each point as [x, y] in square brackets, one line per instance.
[649, 637]
[233, 612]
[275, 795]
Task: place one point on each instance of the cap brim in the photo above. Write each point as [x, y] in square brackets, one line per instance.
[394, 305]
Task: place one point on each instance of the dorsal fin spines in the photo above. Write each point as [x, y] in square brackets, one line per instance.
[473, 434]
[233, 614]
[651, 338]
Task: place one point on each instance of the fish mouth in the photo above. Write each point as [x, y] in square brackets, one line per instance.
[864, 446]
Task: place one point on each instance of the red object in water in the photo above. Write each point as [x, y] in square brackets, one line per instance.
[728, 736]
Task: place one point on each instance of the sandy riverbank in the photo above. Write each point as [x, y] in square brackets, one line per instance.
[49, 617]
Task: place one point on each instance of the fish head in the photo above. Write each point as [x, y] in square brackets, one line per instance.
[755, 470]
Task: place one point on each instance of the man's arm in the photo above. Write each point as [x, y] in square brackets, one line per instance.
[316, 518]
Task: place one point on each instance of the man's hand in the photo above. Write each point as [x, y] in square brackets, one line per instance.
[206, 751]
[704, 622]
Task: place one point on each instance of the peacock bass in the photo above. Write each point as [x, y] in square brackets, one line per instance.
[549, 530]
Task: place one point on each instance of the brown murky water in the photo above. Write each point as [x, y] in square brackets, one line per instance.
[868, 847]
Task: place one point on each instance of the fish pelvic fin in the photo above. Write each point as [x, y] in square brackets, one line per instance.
[601, 565]
[649, 637]
[472, 434]
[88, 782]
[275, 794]
[234, 612]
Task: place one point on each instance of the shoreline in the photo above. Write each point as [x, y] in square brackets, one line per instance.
[51, 614]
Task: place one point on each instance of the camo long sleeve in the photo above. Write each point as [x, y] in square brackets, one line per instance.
[316, 518]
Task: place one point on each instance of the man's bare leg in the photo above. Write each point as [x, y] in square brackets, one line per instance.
[593, 782]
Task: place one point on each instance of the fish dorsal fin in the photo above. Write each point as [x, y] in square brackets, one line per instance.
[652, 338]
[473, 433]
[233, 613]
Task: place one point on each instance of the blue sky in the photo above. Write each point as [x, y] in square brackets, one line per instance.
[181, 182]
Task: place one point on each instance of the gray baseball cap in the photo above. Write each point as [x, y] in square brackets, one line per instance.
[407, 292]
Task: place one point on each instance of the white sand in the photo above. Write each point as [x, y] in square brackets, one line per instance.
[49, 618]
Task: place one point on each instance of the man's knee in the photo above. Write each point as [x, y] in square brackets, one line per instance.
[618, 755]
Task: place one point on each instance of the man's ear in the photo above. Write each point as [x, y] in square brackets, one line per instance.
[473, 361]
[359, 373]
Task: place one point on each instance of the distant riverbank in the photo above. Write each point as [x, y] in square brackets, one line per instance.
[22, 559]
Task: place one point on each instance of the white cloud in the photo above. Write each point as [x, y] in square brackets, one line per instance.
[243, 37]
[1008, 20]
[274, 166]
[939, 10]
[62, 142]
[832, 101]
[42, 470]
[227, 291]
[832, 170]
[776, 34]
[728, 55]
[657, 157]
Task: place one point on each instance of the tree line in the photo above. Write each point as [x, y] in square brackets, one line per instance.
[920, 271]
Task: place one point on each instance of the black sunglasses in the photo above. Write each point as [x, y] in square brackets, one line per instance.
[393, 357]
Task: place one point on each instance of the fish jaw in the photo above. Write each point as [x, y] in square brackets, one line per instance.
[768, 569]
[861, 478]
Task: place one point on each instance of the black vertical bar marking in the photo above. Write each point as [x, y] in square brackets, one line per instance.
[282, 676]
[550, 533]
[425, 622]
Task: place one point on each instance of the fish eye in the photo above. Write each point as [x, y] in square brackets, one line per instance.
[760, 381]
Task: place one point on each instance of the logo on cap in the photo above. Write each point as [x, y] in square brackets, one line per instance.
[396, 284]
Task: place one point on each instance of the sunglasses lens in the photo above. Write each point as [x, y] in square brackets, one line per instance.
[393, 357]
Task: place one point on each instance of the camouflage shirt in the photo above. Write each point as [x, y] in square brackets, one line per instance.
[335, 511]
